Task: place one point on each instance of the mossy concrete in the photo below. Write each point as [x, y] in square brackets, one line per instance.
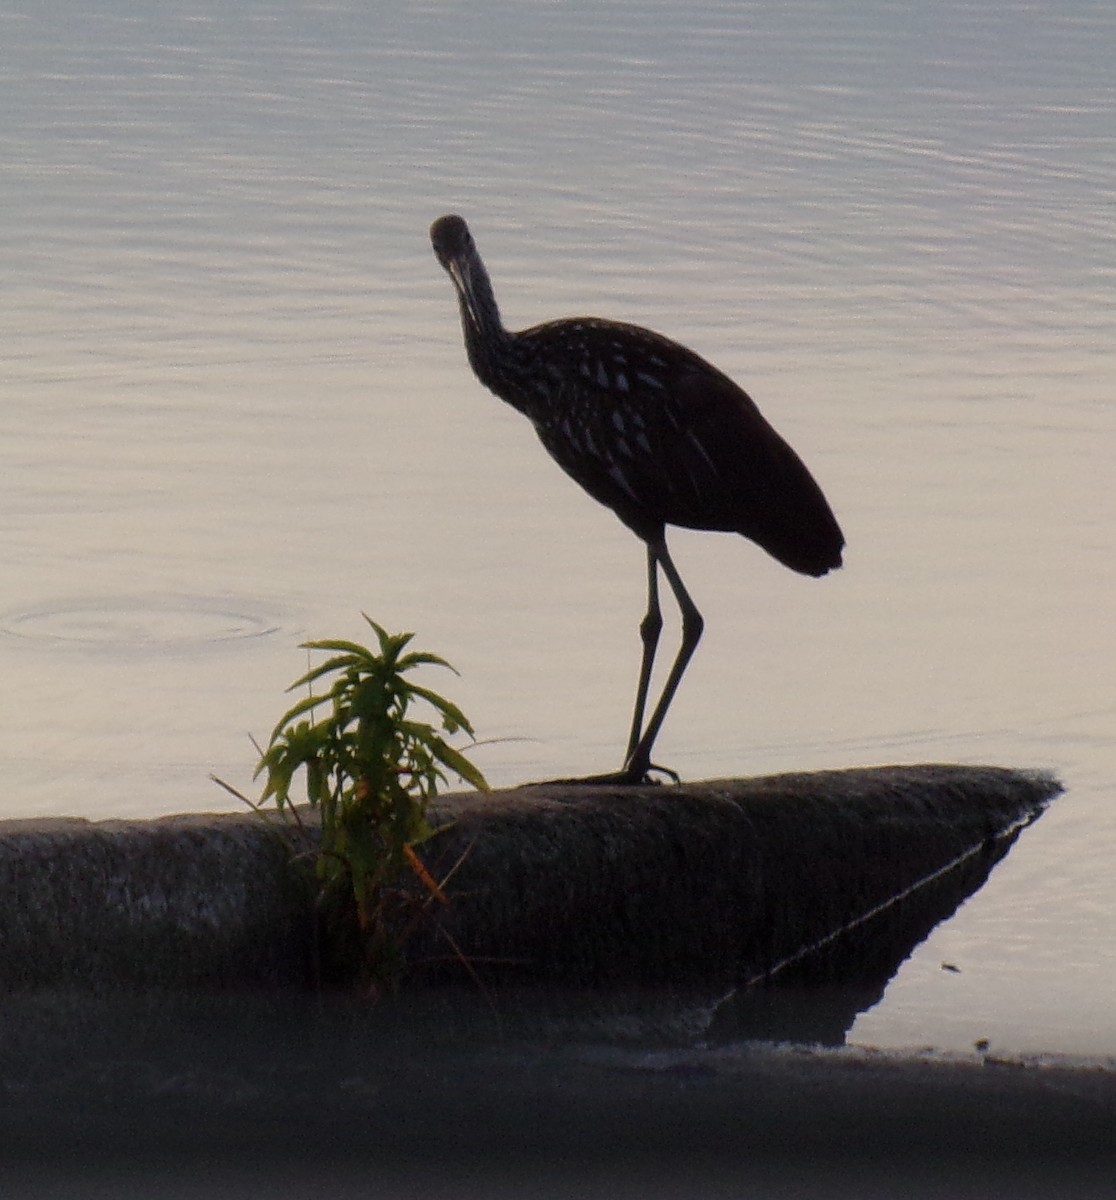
[730, 881]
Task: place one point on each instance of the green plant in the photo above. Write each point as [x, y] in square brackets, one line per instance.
[371, 770]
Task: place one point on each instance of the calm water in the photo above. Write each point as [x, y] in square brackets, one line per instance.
[235, 410]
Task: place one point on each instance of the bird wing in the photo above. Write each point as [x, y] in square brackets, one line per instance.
[662, 437]
[752, 482]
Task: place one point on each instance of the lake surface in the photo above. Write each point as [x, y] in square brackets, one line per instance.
[235, 409]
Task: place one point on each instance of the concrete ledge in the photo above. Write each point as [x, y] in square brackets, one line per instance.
[178, 902]
[726, 882]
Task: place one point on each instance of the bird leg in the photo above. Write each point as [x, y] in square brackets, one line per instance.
[649, 629]
[638, 761]
[637, 758]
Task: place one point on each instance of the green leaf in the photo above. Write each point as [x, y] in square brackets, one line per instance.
[459, 765]
[418, 659]
[342, 662]
[340, 645]
[371, 770]
[450, 712]
[294, 712]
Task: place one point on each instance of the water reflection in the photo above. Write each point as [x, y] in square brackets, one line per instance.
[817, 996]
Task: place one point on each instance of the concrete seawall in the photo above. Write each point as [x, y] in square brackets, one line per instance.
[157, 1033]
[186, 901]
[724, 882]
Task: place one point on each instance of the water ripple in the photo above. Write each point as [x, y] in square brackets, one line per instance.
[140, 622]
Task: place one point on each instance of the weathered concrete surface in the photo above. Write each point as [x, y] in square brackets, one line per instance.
[722, 881]
[181, 901]
[714, 883]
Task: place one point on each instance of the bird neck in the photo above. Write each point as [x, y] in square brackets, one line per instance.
[489, 344]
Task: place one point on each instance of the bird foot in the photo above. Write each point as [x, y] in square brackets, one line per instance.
[626, 777]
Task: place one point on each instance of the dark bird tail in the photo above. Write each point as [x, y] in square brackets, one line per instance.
[792, 521]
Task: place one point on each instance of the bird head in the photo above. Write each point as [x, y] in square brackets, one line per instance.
[455, 250]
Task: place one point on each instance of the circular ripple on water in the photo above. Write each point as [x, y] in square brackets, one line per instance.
[141, 622]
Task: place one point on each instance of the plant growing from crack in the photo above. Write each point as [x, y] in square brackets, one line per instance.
[371, 770]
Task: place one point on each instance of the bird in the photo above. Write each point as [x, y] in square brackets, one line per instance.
[657, 434]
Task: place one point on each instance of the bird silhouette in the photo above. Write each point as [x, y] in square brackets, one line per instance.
[657, 434]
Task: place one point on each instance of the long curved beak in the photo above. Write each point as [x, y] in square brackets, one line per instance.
[462, 280]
